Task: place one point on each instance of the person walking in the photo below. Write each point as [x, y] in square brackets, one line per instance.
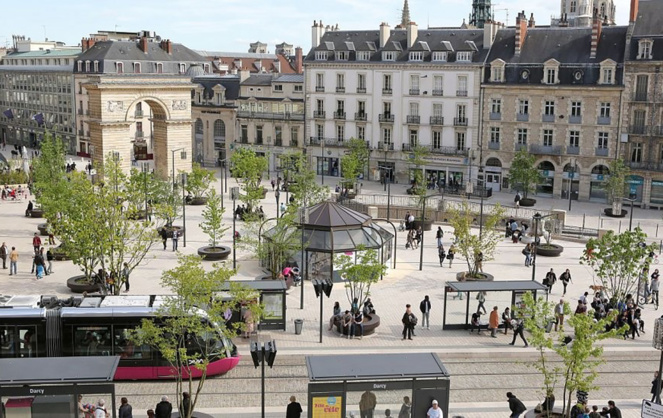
[3, 255]
[13, 261]
[613, 410]
[358, 324]
[406, 408]
[164, 237]
[527, 252]
[451, 254]
[654, 285]
[409, 243]
[494, 322]
[481, 298]
[367, 404]
[565, 278]
[49, 260]
[550, 280]
[409, 321]
[441, 254]
[434, 411]
[559, 315]
[424, 307]
[125, 410]
[438, 235]
[40, 264]
[176, 237]
[518, 328]
[515, 405]
[506, 319]
[478, 261]
[294, 409]
[655, 390]
[164, 408]
[36, 242]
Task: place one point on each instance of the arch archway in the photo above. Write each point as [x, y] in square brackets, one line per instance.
[220, 139]
[493, 174]
[547, 183]
[597, 190]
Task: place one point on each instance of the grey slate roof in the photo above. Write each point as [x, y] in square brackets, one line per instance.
[230, 83]
[650, 18]
[258, 80]
[290, 78]
[129, 51]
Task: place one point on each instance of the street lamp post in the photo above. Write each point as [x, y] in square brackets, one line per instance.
[303, 221]
[262, 353]
[183, 210]
[234, 194]
[222, 178]
[322, 288]
[172, 157]
[573, 174]
[423, 220]
[630, 220]
[482, 192]
[384, 177]
[657, 343]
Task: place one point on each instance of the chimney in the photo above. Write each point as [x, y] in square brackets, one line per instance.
[84, 44]
[597, 25]
[489, 31]
[531, 21]
[385, 32]
[243, 75]
[412, 33]
[521, 31]
[142, 44]
[315, 35]
[633, 14]
[299, 60]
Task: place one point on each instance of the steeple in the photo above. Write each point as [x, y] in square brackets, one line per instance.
[405, 17]
[481, 13]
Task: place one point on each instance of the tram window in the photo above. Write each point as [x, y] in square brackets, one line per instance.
[125, 348]
[8, 345]
[28, 340]
[92, 341]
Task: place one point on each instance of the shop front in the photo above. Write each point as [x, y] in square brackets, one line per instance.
[447, 170]
[656, 195]
[493, 174]
[570, 181]
[635, 184]
[327, 166]
[597, 185]
[547, 184]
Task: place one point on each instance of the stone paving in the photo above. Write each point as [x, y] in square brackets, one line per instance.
[404, 284]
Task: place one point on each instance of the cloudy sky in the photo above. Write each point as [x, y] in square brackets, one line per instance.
[230, 25]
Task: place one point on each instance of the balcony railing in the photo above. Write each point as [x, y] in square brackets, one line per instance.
[361, 89]
[657, 130]
[247, 114]
[361, 116]
[80, 111]
[437, 120]
[414, 120]
[573, 150]
[408, 147]
[386, 117]
[81, 132]
[638, 129]
[640, 96]
[460, 121]
[260, 141]
[340, 89]
[278, 142]
[522, 117]
[386, 146]
[386, 91]
[547, 118]
[438, 92]
[545, 149]
[140, 135]
[414, 92]
[602, 152]
[494, 146]
[244, 140]
[603, 120]
[339, 115]
[644, 166]
[138, 114]
[461, 93]
[450, 151]
[495, 116]
[319, 89]
[327, 142]
[518, 147]
[294, 143]
[575, 119]
[319, 114]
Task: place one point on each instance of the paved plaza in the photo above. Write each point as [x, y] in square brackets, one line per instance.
[404, 284]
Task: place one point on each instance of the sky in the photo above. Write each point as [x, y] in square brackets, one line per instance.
[231, 25]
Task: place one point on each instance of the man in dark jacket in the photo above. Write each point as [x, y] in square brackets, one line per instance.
[424, 307]
[125, 409]
[409, 321]
[613, 410]
[515, 405]
[294, 409]
[164, 408]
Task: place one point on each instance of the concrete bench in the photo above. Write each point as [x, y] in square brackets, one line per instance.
[371, 322]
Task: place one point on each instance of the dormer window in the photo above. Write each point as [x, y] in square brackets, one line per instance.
[321, 55]
[644, 49]
[464, 56]
[551, 72]
[389, 56]
[206, 67]
[416, 56]
[439, 56]
[363, 55]
[158, 67]
[80, 66]
[497, 71]
[136, 67]
[96, 66]
[342, 55]
[182, 68]
[87, 66]
[119, 67]
[608, 68]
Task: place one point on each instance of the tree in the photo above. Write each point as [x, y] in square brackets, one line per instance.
[617, 260]
[50, 178]
[190, 324]
[167, 202]
[616, 186]
[302, 186]
[469, 243]
[361, 274]
[354, 161]
[212, 223]
[198, 181]
[417, 161]
[523, 171]
[248, 167]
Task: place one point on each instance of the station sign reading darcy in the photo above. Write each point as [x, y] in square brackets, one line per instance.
[327, 407]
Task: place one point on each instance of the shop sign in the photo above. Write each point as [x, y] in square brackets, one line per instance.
[657, 183]
[547, 173]
[443, 159]
[327, 407]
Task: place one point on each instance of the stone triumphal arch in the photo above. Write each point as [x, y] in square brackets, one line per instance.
[112, 106]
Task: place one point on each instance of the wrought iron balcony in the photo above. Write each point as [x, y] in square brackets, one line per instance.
[319, 114]
[319, 89]
[386, 91]
[360, 116]
[386, 117]
[450, 151]
[414, 92]
[638, 129]
[437, 120]
[545, 149]
[413, 120]
[361, 90]
[339, 115]
[340, 89]
[460, 121]
[461, 93]
[438, 92]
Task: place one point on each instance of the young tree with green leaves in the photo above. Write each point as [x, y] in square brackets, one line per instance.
[360, 274]
[470, 244]
[50, 178]
[212, 224]
[417, 160]
[302, 185]
[248, 168]
[618, 260]
[189, 330]
[354, 162]
[198, 181]
[616, 185]
[167, 202]
[524, 172]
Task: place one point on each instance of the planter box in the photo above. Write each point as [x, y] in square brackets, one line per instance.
[549, 250]
[371, 323]
[608, 212]
[197, 201]
[462, 277]
[59, 254]
[77, 284]
[217, 253]
[427, 224]
[37, 213]
[43, 229]
[527, 202]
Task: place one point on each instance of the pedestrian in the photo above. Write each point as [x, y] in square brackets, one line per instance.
[337, 315]
[494, 322]
[36, 242]
[475, 322]
[358, 324]
[424, 307]
[49, 260]
[565, 278]
[518, 328]
[273, 184]
[294, 409]
[13, 261]
[595, 412]
[409, 243]
[438, 235]
[434, 411]
[3, 255]
[654, 285]
[100, 409]
[655, 390]
[125, 276]
[51, 238]
[150, 413]
[164, 408]
[406, 408]
[451, 253]
[125, 409]
[550, 280]
[478, 262]
[481, 298]
[409, 321]
[441, 254]
[613, 410]
[527, 252]
[176, 237]
[40, 264]
[559, 315]
[186, 404]
[282, 208]
[515, 405]
[506, 319]
[164, 236]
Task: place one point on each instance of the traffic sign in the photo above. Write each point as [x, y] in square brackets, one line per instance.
[651, 410]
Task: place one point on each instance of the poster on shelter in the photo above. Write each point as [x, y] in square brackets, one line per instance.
[327, 407]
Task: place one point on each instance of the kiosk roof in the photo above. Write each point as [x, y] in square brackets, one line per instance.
[50, 370]
[375, 366]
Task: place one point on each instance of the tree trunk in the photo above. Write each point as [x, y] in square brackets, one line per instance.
[616, 206]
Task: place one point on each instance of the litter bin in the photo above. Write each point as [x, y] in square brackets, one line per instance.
[298, 326]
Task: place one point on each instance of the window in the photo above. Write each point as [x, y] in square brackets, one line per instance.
[574, 139]
[607, 75]
[636, 152]
[361, 82]
[549, 108]
[438, 85]
[551, 75]
[386, 135]
[461, 112]
[96, 66]
[386, 107]
[576, 109]
[278, 136]
[340, 82]
[361, 107]
[439, 56]
[159, 68]
[414, 137]
[547, 137]
[294, 136]
[363, 55]
[639, 117]
[460, 141]
[603, 140]
[245, 134]
[414, 109]
[416, 56]
[340, 132]
[136, 67]
[206, 67]
[87, 66]
[123, 347]
[342, 55]
[414, 84]
[320, 55]
[641, 88]
[388, 56]
[320, 105]
[495, 133]
[340, 106]
[437, 139]
[496, 73]
[182, 68]
[522, 136]
[523, 107]
[320, 81]
[386, 82]
[438, 110]
[92, 340]
[299, 88]
[320, 130]
[496, 106]
[361, 132]
[604, 110]
[644, 49]
[278, 87]
[573, 4]
[462, 85]
[465, 56]
[259, 137]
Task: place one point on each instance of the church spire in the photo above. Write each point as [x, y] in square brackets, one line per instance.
[405, 17]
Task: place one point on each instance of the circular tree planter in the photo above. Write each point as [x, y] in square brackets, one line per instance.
[549, 250]
[59, 254]
[427, 224]
[79, 284]
[170, 229]
[527, 202]
[43, 229]
[36, 213]
[288, 282]
[217, 253]
[197, 201]
[608, 212]
[464, 277]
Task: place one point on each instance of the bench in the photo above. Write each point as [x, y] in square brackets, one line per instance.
[371, 322]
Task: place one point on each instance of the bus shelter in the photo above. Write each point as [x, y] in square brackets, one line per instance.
[516, 287]
[272, 294]
[369, 384]
[48, 387]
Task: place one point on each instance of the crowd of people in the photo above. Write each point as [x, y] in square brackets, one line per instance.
[163, 409]
[350, 323]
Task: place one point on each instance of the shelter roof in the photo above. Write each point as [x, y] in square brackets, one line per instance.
[375, 366]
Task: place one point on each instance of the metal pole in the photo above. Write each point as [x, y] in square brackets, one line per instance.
[483, 192]
[262, 379]
[389, 201]
[221, 187]
[421, 244]
[225, 175]
[234, 236]
[536, 232]
[183, 212]
[384, 177]
[145, 187]
[322, 296]
[322, 141]
[304, 262]
[571, 184]
[304, 277]
[630, 221]
[658, 380]
[172, 157]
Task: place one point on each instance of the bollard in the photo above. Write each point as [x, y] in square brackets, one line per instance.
[660, 247]
[656, 230]
[620, 227]
[583, 221]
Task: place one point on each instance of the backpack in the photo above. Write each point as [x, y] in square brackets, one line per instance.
[413, 319]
